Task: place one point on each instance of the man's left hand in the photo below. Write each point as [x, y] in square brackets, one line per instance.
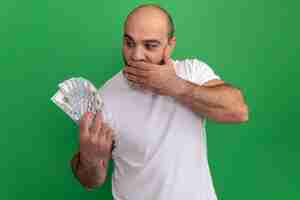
[161, 79]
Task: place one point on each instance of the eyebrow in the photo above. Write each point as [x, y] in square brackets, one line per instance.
[145, 41]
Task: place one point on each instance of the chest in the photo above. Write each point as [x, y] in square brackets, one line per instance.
[147, 123]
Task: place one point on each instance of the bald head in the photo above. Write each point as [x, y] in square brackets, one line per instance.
[148, 35]
[152, 14]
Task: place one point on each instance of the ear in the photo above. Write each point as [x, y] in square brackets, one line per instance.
[169, 49]
[172, 44]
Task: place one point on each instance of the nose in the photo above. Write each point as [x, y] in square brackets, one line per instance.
[137, 54]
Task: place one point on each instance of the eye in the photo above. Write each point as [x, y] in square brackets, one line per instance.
[151, 46]
[129, 43]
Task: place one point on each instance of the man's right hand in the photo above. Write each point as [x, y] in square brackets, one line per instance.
[95, 139]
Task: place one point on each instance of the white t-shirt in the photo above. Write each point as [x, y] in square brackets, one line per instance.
[160, 151]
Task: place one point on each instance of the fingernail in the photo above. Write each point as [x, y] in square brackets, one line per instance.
[90, 115]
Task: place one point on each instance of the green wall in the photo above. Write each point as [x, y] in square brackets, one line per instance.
[250, 44]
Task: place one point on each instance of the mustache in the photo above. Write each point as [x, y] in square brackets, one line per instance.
[161, 62]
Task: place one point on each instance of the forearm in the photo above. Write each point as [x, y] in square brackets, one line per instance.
[222, 103]
[89, 174]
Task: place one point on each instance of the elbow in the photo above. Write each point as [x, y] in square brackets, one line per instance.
[238, 115]
[236, 112]
[239, 110]
[90, 188]
[85, 181]
[243, 111]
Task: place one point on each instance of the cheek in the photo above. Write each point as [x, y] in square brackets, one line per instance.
[126, 53]
[155, 57]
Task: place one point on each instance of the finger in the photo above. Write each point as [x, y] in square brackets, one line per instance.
[136, 79]
[103, 164]
[141, 65]
[109, 134]
[97, 122]
[85, 123]
[108, 138]
[103, 134]
[136, 71]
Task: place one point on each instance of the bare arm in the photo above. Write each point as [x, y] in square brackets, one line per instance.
[216, 100]
[89, 165]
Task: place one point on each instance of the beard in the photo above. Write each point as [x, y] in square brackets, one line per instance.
[161, 62]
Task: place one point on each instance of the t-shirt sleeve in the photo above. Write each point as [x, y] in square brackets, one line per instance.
[200, 72]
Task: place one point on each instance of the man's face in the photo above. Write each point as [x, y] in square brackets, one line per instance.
[145, 39]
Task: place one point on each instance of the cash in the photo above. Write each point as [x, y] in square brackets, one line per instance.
[77, 96]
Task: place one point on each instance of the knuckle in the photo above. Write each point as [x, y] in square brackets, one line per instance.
[94, 139]
[103, 129]
[93, 131]
[105, 126]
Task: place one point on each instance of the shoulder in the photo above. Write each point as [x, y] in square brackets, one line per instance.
[108, 91]
[112, 85]
[189, 61]
[191, 64]
[195, 70]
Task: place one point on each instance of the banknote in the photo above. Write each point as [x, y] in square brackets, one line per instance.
[76, 96]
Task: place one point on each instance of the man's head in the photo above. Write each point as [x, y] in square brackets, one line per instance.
[148, 35]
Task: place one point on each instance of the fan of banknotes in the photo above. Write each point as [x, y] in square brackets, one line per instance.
[77, 96]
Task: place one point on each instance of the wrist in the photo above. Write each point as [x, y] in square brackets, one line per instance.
[183, 87]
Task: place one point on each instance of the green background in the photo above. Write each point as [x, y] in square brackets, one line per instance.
[253, 45]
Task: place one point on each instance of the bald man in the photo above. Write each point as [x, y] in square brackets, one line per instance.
[157, 106]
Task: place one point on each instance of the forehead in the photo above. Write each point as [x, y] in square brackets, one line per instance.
[143, 26]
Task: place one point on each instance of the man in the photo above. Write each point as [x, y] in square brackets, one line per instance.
[157, 108]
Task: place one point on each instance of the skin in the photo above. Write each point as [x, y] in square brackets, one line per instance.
[146, 36]
[90, 163]
[149, 67]
[146, 52]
